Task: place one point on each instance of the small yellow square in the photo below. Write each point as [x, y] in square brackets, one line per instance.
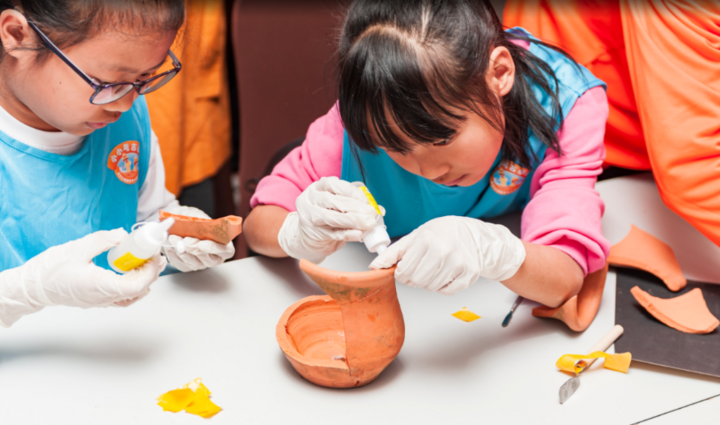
[466, 315]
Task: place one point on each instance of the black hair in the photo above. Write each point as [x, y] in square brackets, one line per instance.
[419, 61]
[70, 22]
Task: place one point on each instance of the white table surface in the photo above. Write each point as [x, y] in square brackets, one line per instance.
[107, 366]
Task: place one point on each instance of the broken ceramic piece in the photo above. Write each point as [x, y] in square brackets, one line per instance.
[346, 338]
[644, 251]
[579, 311]
[687, 313]
[222, 230]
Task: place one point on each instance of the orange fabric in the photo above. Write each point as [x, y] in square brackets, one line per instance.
[644, 251]
[191, 115]
[660, 59]
[591, 31]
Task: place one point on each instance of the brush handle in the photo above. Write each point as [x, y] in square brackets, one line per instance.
[605, 342]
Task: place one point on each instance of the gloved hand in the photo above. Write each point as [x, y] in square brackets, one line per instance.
[198, 254]
[448, 254]
[66, 275]
[329, 213]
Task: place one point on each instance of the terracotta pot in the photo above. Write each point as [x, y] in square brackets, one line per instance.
[346, 338]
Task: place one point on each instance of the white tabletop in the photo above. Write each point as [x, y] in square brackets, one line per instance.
[107, 366]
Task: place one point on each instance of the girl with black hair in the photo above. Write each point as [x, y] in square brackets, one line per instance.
[78, 157]
[448, 119]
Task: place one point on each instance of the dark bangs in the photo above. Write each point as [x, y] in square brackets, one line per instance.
[391, 73]
[374, 93]
[420, 65]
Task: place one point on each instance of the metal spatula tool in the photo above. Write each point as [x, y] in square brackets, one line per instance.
[572, 384]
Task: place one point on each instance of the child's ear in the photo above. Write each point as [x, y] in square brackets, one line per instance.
[16, 34]
[501, 71]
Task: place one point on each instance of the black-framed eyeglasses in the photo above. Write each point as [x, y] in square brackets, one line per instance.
[108, 93]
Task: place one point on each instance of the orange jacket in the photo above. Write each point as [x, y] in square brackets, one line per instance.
[661, 61]
[191, 115]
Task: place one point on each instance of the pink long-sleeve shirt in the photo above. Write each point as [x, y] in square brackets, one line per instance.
[564, 210]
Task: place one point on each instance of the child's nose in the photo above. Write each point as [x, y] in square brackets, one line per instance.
[432, 171]
[123, 104]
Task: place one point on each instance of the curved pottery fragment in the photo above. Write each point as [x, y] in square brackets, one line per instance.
[346, 338]
[643, 251]
[687, 313]
[579, 311]
[221, 230]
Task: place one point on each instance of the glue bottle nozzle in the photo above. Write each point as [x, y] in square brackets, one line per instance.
[376, 239]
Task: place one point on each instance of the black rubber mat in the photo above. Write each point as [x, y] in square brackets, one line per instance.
[651, 341]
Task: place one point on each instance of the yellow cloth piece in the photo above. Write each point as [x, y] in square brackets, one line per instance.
[466, 315]
[191, 114]
[203, 406]
[193, 397]
[176, 400]
[617, 362]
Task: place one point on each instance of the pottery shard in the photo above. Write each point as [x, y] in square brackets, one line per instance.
[222, 230]
[579, 311]
[346, 338]
[687, 313]
[644, 251]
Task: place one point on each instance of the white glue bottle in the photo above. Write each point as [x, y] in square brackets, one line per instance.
[139, 246]
[377, 238]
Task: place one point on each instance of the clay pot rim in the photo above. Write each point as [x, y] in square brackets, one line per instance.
[233, 219]
[369, 278]
[288, 346]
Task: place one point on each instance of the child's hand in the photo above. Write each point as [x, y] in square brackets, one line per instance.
[198, 254]
[66, 275]
[329, 213]
[448, 254]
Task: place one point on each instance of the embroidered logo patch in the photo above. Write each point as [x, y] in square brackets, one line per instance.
[124, 160]
[508, 177]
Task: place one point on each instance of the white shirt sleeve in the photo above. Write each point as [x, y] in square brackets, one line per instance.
[153, 195]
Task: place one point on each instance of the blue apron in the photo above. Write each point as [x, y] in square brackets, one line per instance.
[411, 200]
[48, 199]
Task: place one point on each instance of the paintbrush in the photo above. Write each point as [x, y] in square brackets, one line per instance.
[512, 310]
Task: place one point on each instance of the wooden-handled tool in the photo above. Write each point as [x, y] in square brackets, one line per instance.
[569, 387]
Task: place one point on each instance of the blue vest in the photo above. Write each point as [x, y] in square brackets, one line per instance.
[48, 199]
[411, 200]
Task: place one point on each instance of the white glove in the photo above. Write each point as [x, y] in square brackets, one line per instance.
[448, 254]
[198, 254]
[66, 275]
[329, 213]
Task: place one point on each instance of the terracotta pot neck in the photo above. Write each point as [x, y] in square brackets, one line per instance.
[348, 287]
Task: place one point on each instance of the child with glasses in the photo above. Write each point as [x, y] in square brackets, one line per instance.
[79, 163]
